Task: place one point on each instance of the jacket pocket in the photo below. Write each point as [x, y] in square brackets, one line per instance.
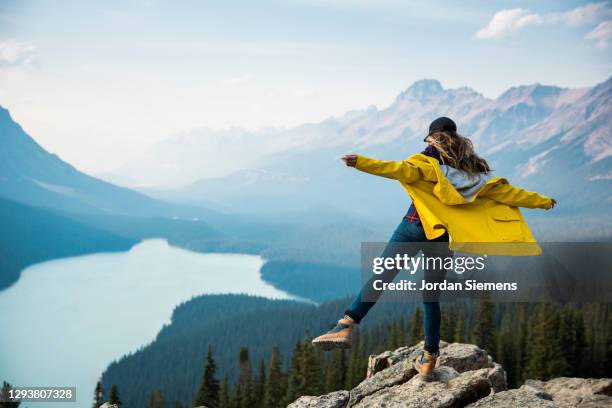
[507, 224]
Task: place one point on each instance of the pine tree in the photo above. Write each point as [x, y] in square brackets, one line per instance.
[237, 397]
[224, 397]
[114, 396]
[545, 358]
[580, 369]
[260, 385]
[357, 362]
[245, 379]
[335, 372]
[295, 378]
[447, 327]
[567, 337]
[274, 390]
[459, 336]
[505, 347]
[157, 400]
[5, 397]
[208, 394]
[483, 334]
[312, 371]
[98, 395]
[416, 326]
[178, 404]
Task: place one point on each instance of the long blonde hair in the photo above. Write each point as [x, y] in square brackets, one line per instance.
[458, 151]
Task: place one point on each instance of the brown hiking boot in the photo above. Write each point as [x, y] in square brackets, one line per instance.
[338, 337]
[425, 365]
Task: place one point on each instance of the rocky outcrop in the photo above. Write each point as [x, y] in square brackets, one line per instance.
[337, 399]
[576, 392]
[465, 376]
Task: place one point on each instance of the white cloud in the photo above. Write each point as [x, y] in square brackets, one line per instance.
[509, 21]
[588, 14]
[14, 54]
[506, 22]
[602, 34]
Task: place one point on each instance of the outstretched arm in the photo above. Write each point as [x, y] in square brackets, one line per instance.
[517, 197]
[402, 171]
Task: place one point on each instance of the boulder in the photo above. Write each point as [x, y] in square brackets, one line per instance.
[524, 397]
[576, 392]
[449, 389]
[463, 357]
[396, 374]
[336, 399]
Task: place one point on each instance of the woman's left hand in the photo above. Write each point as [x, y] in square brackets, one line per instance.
[350, 159]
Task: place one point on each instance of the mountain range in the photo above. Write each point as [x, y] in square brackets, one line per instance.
[554, 140]
[293, 189]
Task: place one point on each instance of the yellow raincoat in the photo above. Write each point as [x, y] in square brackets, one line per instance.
[488, 222]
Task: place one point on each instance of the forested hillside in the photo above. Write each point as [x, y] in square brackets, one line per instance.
[245, 333]
[175, 360]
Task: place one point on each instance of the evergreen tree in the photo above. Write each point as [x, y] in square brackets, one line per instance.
[178, 404]
[447, 327]
[98, 395]
[483, 334]
[237, 397]
[416, 327]
[357, 362]
[260, 385]
[335, 372]
[395, 335]
[208, 394]
[459, 336]
[521, 324]
[114, 396]
[295, 378]
[157, 400]
[312, 371]
[224, 397]
[245, 379]
[274, 389]
[505, 347]
[567, 337]
[5, 397]
[545, 358]
[579, 368]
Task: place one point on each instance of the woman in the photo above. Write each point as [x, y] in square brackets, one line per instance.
[453, 196]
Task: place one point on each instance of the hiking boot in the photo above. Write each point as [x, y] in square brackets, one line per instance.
[338, 337]
[425, 364]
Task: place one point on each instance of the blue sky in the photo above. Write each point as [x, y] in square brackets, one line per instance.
[97, 82]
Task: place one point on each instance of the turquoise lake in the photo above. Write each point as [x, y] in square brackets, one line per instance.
[65, 320]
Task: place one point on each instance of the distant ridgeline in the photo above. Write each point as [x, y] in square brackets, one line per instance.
[531, 341]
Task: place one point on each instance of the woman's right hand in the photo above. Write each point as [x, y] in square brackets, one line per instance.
[350, 159]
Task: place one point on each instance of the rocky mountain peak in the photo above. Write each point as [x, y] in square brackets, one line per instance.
[534, 94]
[422, 90]
[465, 376]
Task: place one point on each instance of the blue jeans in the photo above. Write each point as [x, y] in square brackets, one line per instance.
[406, 231]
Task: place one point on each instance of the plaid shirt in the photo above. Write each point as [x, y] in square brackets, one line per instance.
[412, 215]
